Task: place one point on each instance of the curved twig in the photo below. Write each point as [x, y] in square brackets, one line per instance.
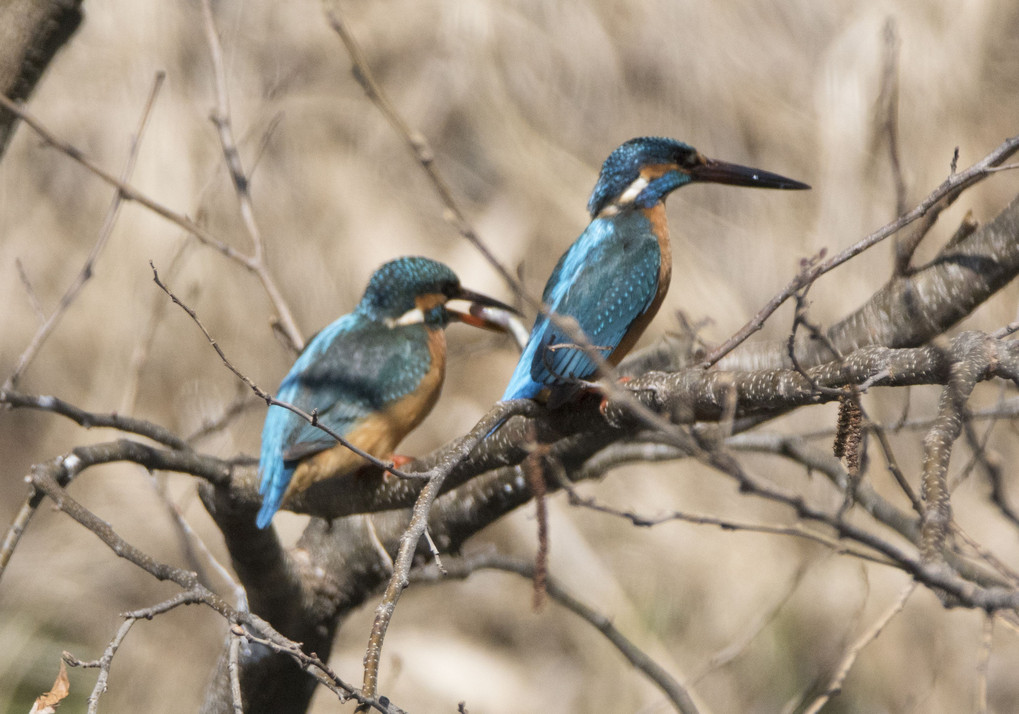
[462, 568]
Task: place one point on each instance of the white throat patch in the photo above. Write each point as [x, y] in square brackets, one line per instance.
[411, 317]
[626, 197]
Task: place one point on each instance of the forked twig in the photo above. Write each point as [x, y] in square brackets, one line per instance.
[129, 193]
[86, 272]
[221, 118]
[956, 182]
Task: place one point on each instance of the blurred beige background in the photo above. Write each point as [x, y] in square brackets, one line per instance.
[521, 102]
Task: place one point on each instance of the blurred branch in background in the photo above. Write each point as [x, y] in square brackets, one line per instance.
[912, 524]
[416, 142]
[31, 32]
[221, 119]
[104, 234]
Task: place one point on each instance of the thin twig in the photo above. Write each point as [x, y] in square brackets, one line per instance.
[534, 471]
[978, 452]
[147, 334]
[888, 105]
[954, 183]
[196, 547]
[1000, 567]
[893, 465]
[748, 633]
[842, 671]
[233, 665]
[418, 145]
[270, 400]
[229, 413]
[130, 193]
[398, 582]
[86, 272]
[33, 297]
[221, 118]
[983, 664]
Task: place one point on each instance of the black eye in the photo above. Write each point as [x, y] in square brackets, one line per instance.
[689, 159]
[450, 289]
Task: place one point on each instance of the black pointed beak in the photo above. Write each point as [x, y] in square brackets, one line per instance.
[735, 175]
[482, 311]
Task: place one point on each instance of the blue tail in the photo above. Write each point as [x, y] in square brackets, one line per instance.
[274, 473]
[275, 479]
[522, 384]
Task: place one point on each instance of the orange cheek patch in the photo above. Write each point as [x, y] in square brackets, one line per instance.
[654, 171]
[424, 303]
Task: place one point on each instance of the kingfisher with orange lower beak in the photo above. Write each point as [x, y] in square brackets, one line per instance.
[612, 280]
[371, 376]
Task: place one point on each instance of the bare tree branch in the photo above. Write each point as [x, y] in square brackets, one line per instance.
[221, 119]
[955, 183]
[85, 274]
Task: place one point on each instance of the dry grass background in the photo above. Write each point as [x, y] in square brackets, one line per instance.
[521, 101]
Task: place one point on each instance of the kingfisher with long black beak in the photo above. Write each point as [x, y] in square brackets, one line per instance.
[610, 283]
[371, 376]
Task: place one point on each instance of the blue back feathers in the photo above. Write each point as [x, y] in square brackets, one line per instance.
[605, 281]
[609, 276]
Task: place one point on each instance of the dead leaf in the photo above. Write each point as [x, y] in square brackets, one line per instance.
[48, 702]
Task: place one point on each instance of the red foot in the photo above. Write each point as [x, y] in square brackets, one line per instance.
[399, 461]
[605, 400]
